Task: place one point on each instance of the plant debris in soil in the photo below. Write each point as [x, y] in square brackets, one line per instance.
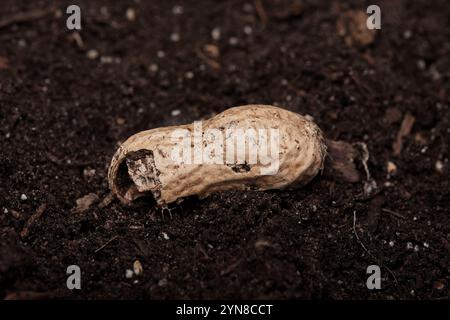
[69, 98]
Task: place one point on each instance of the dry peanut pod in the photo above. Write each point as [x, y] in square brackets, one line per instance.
[253, 147]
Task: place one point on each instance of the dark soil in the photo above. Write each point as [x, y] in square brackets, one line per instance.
[63, 114]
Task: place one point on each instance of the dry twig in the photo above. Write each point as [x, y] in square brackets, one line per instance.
[26, 229]
[25, 16]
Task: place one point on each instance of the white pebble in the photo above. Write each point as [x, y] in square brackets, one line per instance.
[174, 37]
[439, 166]
[409, 246]
[215, 34]
[153, 67]
[416, 248]
[5, 211]
[106, 59]
[189, 75]
[407, 34]
[165, 236]
[161, 54]
[391, 243]
[130, 14]
[248, 30]
[177, 10]
[92, 54]
[129, 274]
[233, 41]
[174, 113]
[23, 197]
[421, 64]
[426, 244]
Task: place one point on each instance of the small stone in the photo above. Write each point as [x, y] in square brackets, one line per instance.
[248, 30]
[421, 64]
[120, 121]
[5, 211]
[391, 167]
[175, 112]
[106, 60]
[407, 34]
[165, 236]
[391, 243]
[137, 268]
[174, 37]
[426, 244]
[23, 197]
[177, 10]
[435, 74]
[129, 274]
[439, 166]
[160, 54]
[416, 248]
[92, 54]
[153, 67]
[409, 246]
[130, 14]
[233, 41]
[189, 75]
[215, 34]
